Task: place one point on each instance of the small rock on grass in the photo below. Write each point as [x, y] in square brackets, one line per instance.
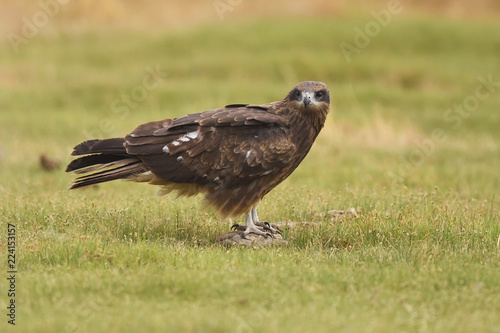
[338, 215]
[49, 163]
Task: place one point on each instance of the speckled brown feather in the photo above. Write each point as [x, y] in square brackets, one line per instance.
[234, 155]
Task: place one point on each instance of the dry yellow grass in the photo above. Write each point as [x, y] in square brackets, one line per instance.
[155, 14]
[378, 133]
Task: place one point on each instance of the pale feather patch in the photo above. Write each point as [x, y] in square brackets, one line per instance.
[189, 136]
[193, 135]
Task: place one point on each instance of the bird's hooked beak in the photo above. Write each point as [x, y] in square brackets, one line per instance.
[306, 100]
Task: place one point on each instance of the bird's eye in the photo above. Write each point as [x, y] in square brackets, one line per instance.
[298, 94]
[320, 94]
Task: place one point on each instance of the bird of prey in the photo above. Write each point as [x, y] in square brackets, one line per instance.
[233, 155]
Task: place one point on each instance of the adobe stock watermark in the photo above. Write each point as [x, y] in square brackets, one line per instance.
[223, 6]
[121, 106]
[87, 310]
[454, 116]
[253, 322]
[363, 37]
[31, 26]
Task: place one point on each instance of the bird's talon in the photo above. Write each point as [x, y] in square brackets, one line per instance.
[235, 226]
[271, 229]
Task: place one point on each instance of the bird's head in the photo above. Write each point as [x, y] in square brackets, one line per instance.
[310, 96]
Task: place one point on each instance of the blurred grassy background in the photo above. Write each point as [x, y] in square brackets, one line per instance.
[425, 242]
[159, 15]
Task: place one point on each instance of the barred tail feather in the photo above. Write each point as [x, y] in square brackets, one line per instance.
[105, 160]
[108, 146]
[121, 169]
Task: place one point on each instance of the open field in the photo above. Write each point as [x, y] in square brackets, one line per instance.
[412, 142]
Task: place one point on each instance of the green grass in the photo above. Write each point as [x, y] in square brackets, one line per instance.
[422, 256]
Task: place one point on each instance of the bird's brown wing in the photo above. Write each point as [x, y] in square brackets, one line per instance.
[227, 147]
